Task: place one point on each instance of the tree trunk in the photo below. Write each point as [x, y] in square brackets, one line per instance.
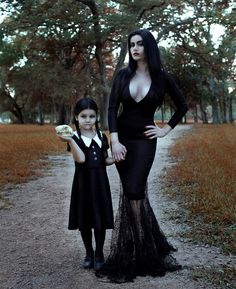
[185, 118]
[231, 119]
[195, 114]
[225, 102]
[225, 112]
[17, 112]
[62, 114]
[53, 111]
[203, 113]
[104, 108]
[41, 113]
[215, 112]
[103, 91]
[214, 100]
[15, 109]
[122, 56]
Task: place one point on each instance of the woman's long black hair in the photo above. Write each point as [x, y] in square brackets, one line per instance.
[82, 104]
[153, 58]
[151, 51]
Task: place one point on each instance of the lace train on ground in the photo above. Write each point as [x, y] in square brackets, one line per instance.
[138, 246]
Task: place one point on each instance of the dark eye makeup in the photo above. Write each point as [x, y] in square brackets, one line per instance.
[140, 43]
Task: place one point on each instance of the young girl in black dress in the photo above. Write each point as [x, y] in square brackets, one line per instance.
[139, 247]
[91, 205]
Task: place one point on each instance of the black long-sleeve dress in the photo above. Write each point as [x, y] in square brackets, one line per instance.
[138, 245]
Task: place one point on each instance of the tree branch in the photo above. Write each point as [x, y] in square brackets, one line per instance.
[148, 9]
[170, 27]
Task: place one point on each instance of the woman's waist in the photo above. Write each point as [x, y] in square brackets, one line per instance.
[129, 133]
[134, 126]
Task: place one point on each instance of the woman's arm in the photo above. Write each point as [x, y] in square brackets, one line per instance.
[176, 95]
[118, 150]
[179, 100]
[115, 100]
[109, 161]
[77, 153]
[154, 131]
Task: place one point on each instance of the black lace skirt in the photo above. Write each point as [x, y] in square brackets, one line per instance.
[138, 246]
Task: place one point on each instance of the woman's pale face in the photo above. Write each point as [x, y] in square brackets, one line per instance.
[137, 48]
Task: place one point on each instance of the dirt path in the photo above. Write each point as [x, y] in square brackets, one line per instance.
[38, 252]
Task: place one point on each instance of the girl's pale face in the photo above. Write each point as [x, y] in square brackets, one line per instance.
[137, 48]
[86, 119]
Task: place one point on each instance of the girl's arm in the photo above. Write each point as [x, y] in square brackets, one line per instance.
[108, 159]
[77, 153]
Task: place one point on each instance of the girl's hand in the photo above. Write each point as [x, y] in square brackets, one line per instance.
[154, 131]
[118, 151]
[65, 138]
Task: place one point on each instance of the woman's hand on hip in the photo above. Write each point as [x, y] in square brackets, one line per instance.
[118, 151]
[154, 131]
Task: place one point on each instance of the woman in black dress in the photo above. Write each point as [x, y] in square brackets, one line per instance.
[138, 246]
[90, 205]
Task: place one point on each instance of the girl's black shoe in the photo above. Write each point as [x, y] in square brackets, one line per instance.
[88, 262]
[98, 265]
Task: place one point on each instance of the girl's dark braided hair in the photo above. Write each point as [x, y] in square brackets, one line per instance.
[82, 104]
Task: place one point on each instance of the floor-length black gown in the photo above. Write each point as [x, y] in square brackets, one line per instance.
[138, 245]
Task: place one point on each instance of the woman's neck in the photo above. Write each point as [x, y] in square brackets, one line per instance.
[142, 67]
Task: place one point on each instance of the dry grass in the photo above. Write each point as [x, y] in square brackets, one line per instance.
[223, 277]
[206, 175]
[23, 149]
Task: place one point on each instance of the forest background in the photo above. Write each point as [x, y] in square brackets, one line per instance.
[55, 52]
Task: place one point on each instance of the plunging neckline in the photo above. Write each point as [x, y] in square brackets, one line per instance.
[141, 98]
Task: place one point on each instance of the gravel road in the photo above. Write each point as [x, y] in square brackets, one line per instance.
[38, 252]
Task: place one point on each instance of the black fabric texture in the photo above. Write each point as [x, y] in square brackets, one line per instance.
[138, 246]
[91, 205]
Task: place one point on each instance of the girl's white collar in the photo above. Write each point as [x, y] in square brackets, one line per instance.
[87, 140]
